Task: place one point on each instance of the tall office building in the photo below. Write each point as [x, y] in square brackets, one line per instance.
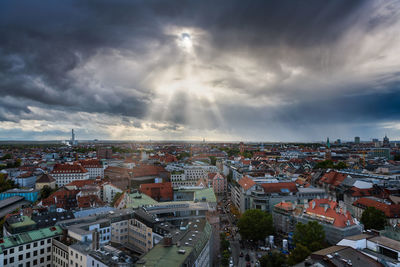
[357, 139]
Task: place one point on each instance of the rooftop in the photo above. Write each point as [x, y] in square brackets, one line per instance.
[28, 237]
[138, 199]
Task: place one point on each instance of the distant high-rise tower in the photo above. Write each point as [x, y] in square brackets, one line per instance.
[386, 142]
[73, 136]
[73, 141]
[241, 147]
[357, 139]
[328, 149]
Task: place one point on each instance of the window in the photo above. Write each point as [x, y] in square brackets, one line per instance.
[28, 246]
[48, 258]
[20, 248]
[11, 259]
[11, 251]
[35, 253]
[5, 252]
[42, 242]
[34, 262]
[48, 241]
[5, 262]
[28, 255]
[28, 264]
[49, 249]
[21, 257]
[41, 260]
[42, 251]
[35, 244]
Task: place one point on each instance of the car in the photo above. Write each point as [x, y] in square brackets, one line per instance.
[241, 254]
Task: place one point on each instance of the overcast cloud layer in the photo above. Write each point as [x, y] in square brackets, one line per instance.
[222, 70]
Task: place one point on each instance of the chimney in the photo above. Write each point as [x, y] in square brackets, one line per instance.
[64, 234]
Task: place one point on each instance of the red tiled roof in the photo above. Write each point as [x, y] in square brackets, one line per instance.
[81, 183]
[63, 198]
[68, 168]
[89, 201]
[147, 170]
[333, 178]
[45, 178]
[158, 191]
[246, 183]
[358, 192]
[391, 211]
[91, 163]
[285, 205]
[327, 208]
[278, 187]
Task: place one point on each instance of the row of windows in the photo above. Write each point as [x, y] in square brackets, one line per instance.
[27, 246]
[60, 252]
[27, 264]
[60, 262]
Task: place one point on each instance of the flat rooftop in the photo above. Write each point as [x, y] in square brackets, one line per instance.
[28, 237]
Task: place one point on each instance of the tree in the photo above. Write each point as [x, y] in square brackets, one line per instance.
[255, 225]
[299, 254]
[213, 160]
[116, 197]
[183, 155]
[372, 218]
[6, 184]
[310, 235]
[46, 191]
[224, 243]
[273, 259]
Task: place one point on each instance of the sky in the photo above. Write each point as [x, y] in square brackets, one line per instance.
[187, 70]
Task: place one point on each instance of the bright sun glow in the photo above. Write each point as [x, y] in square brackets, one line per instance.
[186, 41]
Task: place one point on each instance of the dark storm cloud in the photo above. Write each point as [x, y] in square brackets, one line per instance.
[64, 57]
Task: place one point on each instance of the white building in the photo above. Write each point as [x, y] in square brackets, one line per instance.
[66, 173]
[109, 192]
[29, 249]
[94, 167]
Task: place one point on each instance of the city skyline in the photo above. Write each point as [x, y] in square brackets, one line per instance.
[259, 71]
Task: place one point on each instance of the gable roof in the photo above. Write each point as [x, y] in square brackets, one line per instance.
[329, 210]
[246, 183]
[45, 178]
[333, 178]
[390, 210]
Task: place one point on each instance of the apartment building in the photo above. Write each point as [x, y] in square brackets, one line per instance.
[66, 173]
[94, 167]
[28, 249]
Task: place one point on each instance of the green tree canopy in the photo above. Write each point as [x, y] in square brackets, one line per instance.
[46, 191]
[273, 259]
[255, 225]
[310, 235]
[329, 164]
[6, 184]
[116, 197]
[299, 254]
[373, 218]
[213, 160]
